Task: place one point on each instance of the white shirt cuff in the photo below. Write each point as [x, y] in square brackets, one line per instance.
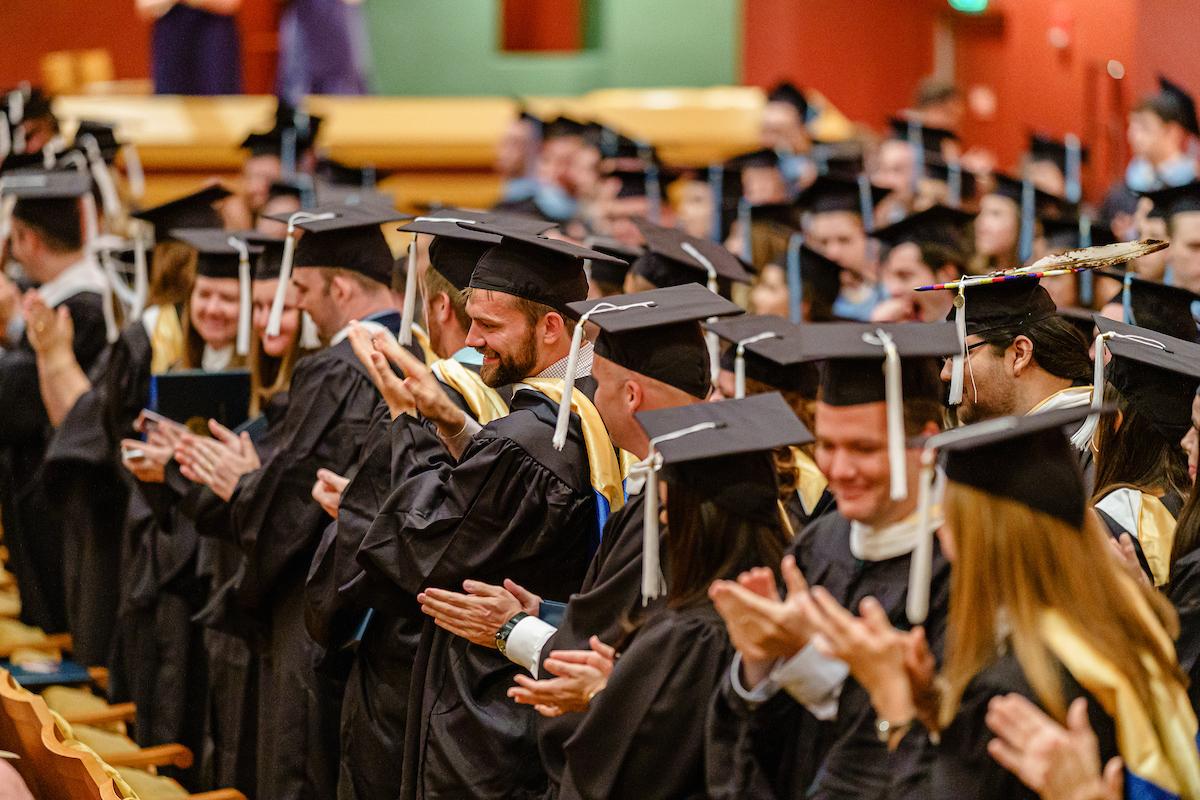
[813, 680]
[525, 643]
[457, 443]
[757, 695]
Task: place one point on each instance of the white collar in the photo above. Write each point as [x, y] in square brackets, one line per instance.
[371, 326]
[635, 481]
[880, 544]
[1071, 397]
[213, 360]
[85, 275]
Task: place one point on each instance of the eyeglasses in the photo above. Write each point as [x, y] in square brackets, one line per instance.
[969, 349]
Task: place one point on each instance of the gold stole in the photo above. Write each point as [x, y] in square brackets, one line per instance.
[485, 403]
[603, 463]
[422, 338]
[1156, 534]
[166, 340]
[811, 482]
[1171, 765]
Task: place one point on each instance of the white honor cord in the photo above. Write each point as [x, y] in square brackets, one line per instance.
[410, 296]
[244, 305]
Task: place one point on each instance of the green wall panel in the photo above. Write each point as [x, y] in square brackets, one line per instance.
[451, 47]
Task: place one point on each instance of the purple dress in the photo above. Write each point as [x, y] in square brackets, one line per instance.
[196, 52]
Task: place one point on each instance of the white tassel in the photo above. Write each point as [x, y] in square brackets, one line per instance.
[410, 296]
[920, 568]
[711, 339]
[739, 363]
[5, 141]
[111, 332]
[563, 420]
[310, 337]
[705, 263]
[7, 203]
[958, 364]
[134, 172]
[244, 306]
[275, 319]
[102, 177]
[895, 411]
[91, 224]
[654, 585]
[141, 271]
[16, 116]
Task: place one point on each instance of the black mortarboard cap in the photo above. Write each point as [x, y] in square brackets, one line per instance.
[1005, 304]
[937, 224]
[287, 117]
[835, 193]
[633, 183]
[931, 138]
[350, 239]
[938, 170]
[217, 258]
[657, 333]
[666, 263]
[788, 92]
[1046, 148]
[1065, 234]
[105, 134]
[285, 189]
[1175, 199]
[764, 158]
[43, 184]
[608, 271]
[1154, 305]
[729, 462]
[564, 126]
[1083, 319]
[1044, 203]
[852, 370]
[546, 271]
[456, 249]
[270, 257]
[768, 343]
[1156, 373]
[193, 210]
[1180, 104]
[1028, 459]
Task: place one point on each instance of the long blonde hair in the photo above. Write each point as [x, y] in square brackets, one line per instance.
[1017, 563]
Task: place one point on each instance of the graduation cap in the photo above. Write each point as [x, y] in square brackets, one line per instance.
[339, 174]
[285, 189]
[1083, 319]
[1155, 373]
[1175, 199]
[456, 249]
[938, 224]
[562, 126]
[1068, 155]
[840, 159]
[927, 140]
[292, 132]
[721, 451]
[673, 257]
[810, 275]
[104, 134]
[1178, 104]
[613, 144]
[221, 254]
[1073, 232]
[1154, 305]
[607, 271]
[640, 183]
[533, 267]
[192, 210]
[345, 237]
[270, 259]
[834, 193]
[864, 363]
[50, 200]
[749, 334]
[1044, 203]
[1029, 459]
[788, 92]
[960, 183]
[764, 158]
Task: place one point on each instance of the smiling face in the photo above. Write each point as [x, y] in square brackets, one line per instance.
[851, 451]
[262, 296]
[214, 310]
[504, 335]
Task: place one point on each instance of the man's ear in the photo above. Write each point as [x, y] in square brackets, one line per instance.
[634, 396]
[340, 288]
[441, 307]
[554, 327]
[1022, 354]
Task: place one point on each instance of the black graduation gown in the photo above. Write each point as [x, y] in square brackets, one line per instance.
[643, 735]
[611, 592]
[513, 507]
[1184, 593]
[35, 543]
[90, 487]
[377, 650]
[962, 766]
[330, 407]
[779, 749]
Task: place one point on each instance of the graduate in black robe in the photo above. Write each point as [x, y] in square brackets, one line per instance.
[330, 407]
[513, 506]
[47, 237]
[725, 517]
[1184, 594]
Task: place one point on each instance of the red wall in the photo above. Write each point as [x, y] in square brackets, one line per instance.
[866, 56]
[546, 25]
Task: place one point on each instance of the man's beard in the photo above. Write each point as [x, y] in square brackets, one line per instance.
[510, 368]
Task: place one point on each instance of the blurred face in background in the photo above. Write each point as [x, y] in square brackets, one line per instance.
[1184, 253]
[554, 160]
[262, 295]
[782, 129]
[769, 295]
[763, 185]
[214, 310]
[1046, 175]
[583, 174]
[997, 226]
[258, 173]
[839, 236]
[514, 149]
[1153, 266]
[894, 165]
[694, 208]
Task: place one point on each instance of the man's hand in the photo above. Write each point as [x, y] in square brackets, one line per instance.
[10, 302]
[430, 398]
[1056, 762]
[483, 610]
[51, 331]
[327, 491]
[582, 674]
[219, 462]
[398, 398]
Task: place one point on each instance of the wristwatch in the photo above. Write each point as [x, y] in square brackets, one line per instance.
[506, 630]
[885, 730]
